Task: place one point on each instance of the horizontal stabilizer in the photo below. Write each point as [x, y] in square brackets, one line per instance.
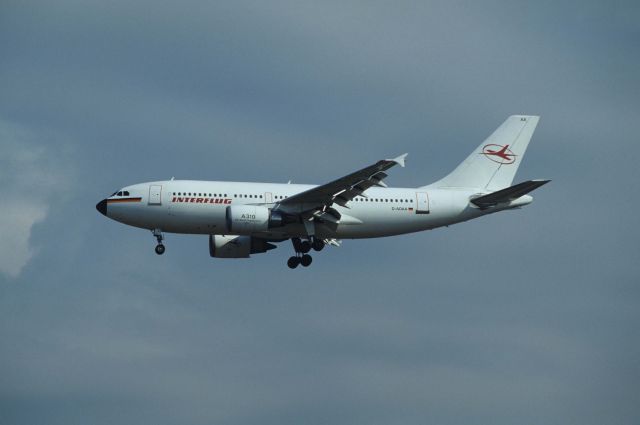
[508, 194]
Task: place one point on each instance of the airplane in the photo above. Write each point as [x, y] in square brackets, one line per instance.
[244, 218]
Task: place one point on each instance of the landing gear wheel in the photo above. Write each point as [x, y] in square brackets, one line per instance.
[157, 233]
[305, 260]
[293, 262]
[317, 244]
[305, 247]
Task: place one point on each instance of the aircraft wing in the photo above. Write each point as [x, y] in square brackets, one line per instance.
[344, 189]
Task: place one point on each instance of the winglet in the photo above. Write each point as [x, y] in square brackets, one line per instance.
[399, 160]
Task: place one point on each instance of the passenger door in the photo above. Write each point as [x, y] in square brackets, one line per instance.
[155, 194]
[422, 206]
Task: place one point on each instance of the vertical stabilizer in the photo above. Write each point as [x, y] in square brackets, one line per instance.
[493, 165]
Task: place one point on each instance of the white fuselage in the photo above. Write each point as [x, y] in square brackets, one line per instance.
[248, 218]
[200, 207]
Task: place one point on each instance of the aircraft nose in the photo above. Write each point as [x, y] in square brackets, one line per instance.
[102, 207]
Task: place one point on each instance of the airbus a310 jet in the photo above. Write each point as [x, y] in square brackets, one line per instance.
[249, 218]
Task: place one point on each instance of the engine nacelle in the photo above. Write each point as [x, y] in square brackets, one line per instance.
[246, 219]
[232, 246]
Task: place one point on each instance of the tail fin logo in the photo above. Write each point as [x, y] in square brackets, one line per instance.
[498, 153]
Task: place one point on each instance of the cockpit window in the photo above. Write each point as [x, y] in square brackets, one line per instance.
[125, 193]
[119, 194]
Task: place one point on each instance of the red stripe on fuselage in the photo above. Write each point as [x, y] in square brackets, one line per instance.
[123, 200]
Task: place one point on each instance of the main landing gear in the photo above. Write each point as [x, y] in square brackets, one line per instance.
[302, 248]
[158, 235]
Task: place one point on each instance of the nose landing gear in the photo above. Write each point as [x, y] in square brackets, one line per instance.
[158, 235]
[302, 248]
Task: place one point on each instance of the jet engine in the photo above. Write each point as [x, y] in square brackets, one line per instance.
[232, 246]
[245, 219]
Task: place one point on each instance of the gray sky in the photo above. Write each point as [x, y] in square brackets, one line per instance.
[522, 317]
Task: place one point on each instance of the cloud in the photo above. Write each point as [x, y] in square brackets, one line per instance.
[17, 218]
[31, 174]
